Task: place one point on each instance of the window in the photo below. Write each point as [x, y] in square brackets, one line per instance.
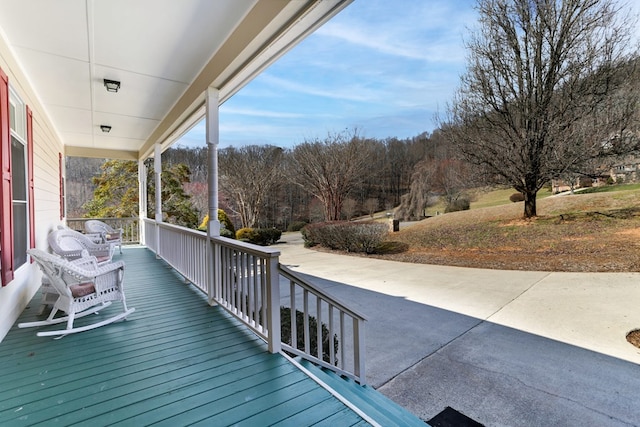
[17, 118]
[17, 218]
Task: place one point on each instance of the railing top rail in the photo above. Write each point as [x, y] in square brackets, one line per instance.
[292, 275]
[263, 252]
[103, 218]
[182, 229]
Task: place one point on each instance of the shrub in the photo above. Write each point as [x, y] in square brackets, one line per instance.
[308, 235]
[461, 204]
[517, 197]
[226, 226]
[266, 236]
[225, 232]
[347, 236]
[296, 226]
[285, 331]
[259, 236]
[245, 234]
[586, 182]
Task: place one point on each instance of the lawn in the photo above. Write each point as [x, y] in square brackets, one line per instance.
[580, 232]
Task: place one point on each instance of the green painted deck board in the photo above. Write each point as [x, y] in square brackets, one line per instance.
[175, 361]
[318, 415]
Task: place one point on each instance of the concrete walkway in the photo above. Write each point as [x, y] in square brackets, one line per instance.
[506, 348]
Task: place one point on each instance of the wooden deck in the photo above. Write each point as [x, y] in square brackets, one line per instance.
[175, 361]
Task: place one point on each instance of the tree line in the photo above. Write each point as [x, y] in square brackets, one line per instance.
[337, 177]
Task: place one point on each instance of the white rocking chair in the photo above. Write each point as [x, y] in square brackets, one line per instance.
[83, 287]
[69, 244]
[109, 235]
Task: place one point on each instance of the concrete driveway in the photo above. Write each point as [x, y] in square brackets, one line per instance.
[506, 348]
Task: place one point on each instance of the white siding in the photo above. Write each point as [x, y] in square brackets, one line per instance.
[16, 295]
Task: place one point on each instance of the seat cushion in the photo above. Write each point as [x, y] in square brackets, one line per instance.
[101, 259]
[82, 289]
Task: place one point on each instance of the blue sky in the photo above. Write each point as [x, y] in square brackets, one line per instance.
[383, 67]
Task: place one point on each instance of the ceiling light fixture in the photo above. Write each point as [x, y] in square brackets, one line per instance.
[105, 128]
[111, 85]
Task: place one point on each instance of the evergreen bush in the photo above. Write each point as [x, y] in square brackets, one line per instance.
[460, 204]
[296, 226]
[517, 197]
[259, 236]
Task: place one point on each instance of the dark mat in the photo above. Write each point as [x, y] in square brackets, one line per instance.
[449, 417]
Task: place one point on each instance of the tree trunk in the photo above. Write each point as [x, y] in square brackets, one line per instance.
[530, 204]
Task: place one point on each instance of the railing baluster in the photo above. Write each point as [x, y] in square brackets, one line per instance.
[342, 335]
[256, 291]
[305, 305]
[332, 351]
[292, 320]
[319, 327]
[265, 303]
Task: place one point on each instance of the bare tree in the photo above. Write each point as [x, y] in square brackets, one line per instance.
[247, 175]
[544, 90]
[413, 203]
[371, 205]
[330, 169]
[349, 207]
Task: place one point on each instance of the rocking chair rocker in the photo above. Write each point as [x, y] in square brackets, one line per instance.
[83, 287]
[108, 234]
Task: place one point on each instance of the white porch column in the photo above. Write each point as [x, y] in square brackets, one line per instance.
[214, 255]
[213, 138]
[157, 168]
[142, 200]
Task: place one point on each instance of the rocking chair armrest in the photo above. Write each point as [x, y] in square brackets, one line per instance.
[104, 269]
[91, 271]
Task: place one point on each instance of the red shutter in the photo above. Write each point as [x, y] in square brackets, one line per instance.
[6, 196]
[32, 212]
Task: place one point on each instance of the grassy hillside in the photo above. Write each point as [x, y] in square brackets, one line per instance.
[581, 232]
[483, 198]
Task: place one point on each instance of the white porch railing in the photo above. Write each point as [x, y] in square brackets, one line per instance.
[248, 286]
[248, 281]
[332, 334]
[184, 249]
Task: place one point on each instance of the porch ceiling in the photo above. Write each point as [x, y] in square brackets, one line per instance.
[165, 53]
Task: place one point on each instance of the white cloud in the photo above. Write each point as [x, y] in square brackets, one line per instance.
[426, 31]
[261, 113]
[342, 93]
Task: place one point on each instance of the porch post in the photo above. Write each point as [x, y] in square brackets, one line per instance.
[213, 138]
[213, 227]
[142, 200]
[157, 169]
